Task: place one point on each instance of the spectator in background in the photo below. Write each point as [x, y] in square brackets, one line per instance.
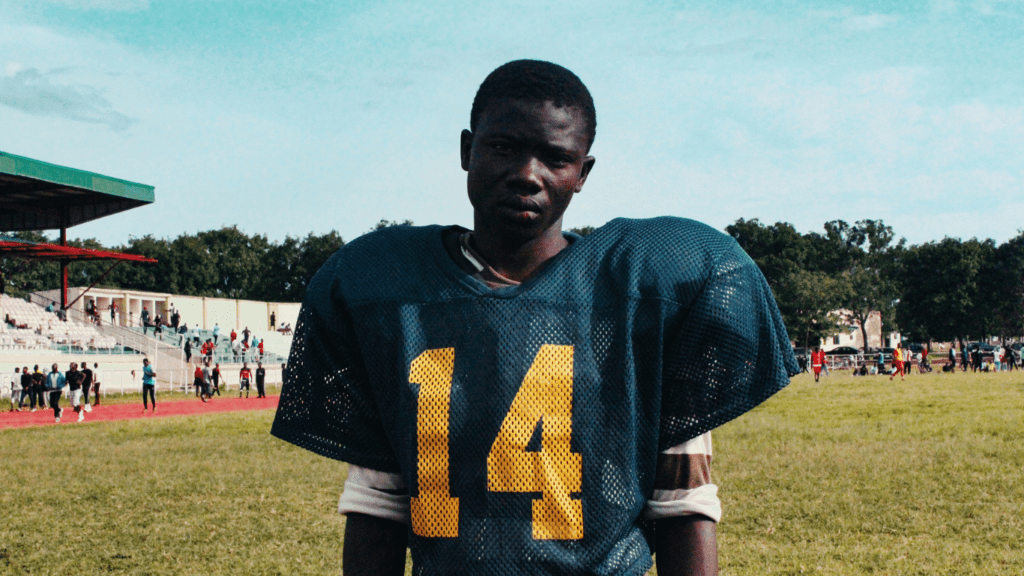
[952, 358]
[145, 319]
[96, 383]
[55, 383]
[16, 389]
[175, 318]
[284, 373]
[49, 307]
[195, 334]
[234, 336]
[74, 380]
[26, 389]
[197, 380]
[245, 336]
[273, 321]
[148, 385]
[261, 380]
[216, 380]
[188, 350]
[86, 386]
[207, 381]
[158, 325]
[39, 386]
[244, 377]
[216, 333]
[113, 312]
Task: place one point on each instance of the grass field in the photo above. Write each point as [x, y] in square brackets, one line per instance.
[851, 476]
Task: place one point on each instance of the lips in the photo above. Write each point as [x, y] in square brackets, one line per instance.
[520, 204]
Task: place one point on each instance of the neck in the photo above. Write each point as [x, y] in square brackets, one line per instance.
[518, 258]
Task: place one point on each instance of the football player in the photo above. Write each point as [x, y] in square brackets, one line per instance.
[515, 399]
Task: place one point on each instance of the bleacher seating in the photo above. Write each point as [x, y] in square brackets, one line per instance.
[44, 330]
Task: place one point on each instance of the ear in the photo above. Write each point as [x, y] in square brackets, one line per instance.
[466, 148]
[588, 165]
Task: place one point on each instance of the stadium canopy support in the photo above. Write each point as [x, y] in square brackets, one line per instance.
[38, 196]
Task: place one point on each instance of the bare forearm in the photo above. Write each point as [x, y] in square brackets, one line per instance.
[686, 546]
[373, 546]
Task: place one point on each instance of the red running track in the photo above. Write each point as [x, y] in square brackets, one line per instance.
[109, 412]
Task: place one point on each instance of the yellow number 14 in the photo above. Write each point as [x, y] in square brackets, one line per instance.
[545, 398]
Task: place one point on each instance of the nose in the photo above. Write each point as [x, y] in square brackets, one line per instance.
[528, 174]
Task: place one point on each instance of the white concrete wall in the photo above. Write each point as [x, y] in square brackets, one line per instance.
[221, 311]
[254, 315]
[190, 308]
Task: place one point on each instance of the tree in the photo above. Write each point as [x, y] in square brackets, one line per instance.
[943, 288]
[864, 258]
[808, 302]
[778, 250]
[582, 230]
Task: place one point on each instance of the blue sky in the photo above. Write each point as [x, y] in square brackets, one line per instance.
[298, 117]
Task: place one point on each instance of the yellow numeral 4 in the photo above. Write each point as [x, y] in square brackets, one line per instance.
[545, 399]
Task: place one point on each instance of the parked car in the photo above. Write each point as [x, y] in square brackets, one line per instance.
[843, 351]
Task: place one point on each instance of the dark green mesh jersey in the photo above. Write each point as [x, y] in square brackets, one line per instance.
[526, 421]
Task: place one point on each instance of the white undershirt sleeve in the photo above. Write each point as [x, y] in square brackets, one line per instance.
[689, 491]
[378, 494]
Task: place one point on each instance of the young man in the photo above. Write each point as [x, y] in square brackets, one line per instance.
[55, 383]
[817, 361]
[216, 380]
[207, 381]
[86, 386]
[148, 385]
[16, 396]
[244, 378]
[39, 386]
[517, 400]
[27, 389]
[96, 381]
[897, 361]
[74, 379]
[261, 380]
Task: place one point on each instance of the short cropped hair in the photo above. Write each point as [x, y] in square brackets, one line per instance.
[535, 80]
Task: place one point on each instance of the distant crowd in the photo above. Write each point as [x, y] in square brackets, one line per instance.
[32, 389]
[902, 361]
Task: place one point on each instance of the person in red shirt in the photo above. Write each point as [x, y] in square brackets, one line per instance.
[817, 361]
[897, 361]
[244, 377]
[197, 380]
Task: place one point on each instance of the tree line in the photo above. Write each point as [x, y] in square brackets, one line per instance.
[945, 290]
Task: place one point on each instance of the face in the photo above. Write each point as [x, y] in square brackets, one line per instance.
[525, 161]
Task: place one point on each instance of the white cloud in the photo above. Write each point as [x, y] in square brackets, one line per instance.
[32, 91]
[853, 21]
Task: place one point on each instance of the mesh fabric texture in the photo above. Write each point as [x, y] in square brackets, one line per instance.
[526, 421]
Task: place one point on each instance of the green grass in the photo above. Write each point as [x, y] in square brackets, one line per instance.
[851, 476]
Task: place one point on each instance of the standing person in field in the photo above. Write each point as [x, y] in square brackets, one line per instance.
[244, 378]
[952, 358]
[96, 381]
[207, 381]
[148, 385]
[55, 383]
[26, 388]
[517, 400]
[897, 361]
[86, 386]
[15, 379]
[197, 380]
[74, 379]
[817, 361]
[261, 381]
[216, 379]
[39, 385]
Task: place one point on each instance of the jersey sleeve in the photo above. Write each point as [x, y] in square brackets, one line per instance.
[327, 404]
[729, 353]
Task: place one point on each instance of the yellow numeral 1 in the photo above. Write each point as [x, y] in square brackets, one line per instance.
[435, 514]
[545, 398]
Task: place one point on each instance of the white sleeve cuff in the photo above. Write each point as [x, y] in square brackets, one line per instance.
[672, 503]
[365, 494]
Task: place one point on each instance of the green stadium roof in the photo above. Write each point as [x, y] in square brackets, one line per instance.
[36, 195]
